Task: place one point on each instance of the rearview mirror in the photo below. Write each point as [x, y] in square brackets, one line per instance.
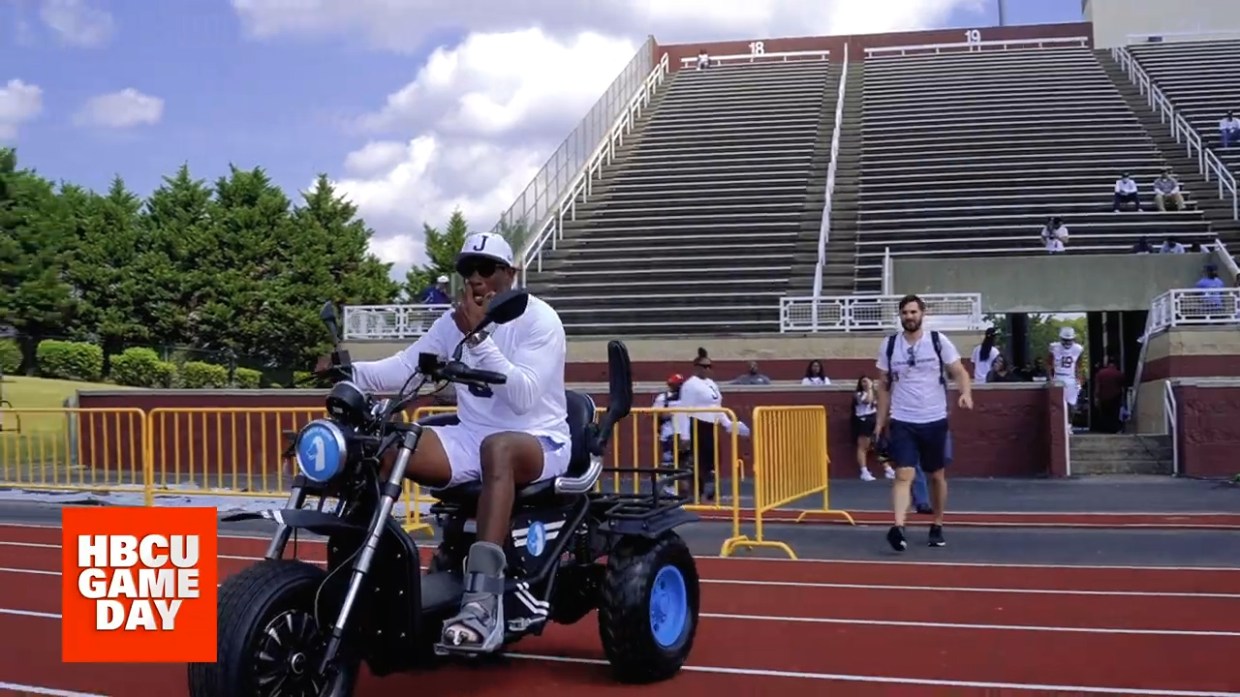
[328, 317]
[506, 306]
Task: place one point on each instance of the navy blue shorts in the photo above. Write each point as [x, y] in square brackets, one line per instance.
[928, 444]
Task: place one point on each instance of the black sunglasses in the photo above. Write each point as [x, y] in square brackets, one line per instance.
[483, 266]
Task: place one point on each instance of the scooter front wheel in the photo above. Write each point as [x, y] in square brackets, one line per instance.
[269, 638]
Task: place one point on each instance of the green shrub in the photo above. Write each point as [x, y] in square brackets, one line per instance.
[141, 367]
[10, 357]
[247, 378]
[304, 379]
[70, 360]
[196, 375]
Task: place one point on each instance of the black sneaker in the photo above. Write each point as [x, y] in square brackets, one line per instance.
[895, 538]
[936, 536]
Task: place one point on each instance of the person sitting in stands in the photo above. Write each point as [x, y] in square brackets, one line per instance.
[1166, 188]
[1170, 246]
[1125, 193]
[1143, 246]
[703, 60]
[1054, 235]
[1001, 372]
[1229, 129]
[814, 375]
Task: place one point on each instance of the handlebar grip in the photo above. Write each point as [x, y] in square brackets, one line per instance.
[458, 372]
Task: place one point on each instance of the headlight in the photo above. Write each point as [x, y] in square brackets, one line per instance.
[321, 450]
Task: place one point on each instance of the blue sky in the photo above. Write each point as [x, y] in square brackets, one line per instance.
[285, 84]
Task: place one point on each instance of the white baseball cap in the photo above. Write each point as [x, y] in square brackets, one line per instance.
[442, 279]
[1067, 333]
[488, 245]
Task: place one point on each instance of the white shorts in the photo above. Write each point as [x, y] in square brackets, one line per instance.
[1071, 390]
[464, 448]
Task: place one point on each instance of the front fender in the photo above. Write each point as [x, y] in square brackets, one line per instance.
[317, 522]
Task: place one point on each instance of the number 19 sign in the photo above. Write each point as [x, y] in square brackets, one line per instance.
[138, 585]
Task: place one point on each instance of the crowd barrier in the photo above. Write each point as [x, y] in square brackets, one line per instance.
[241, 453]
[790, 463]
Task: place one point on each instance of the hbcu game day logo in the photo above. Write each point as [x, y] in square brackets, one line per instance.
[138, 585]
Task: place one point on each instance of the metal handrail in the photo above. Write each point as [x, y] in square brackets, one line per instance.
[824, 229]
[1207, 161]
[1171, 419]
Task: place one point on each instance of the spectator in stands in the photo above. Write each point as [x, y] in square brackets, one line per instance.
[1125, 193]
[814, 374]
[438, 294]
[1229, 129]
[1054, 235]
[1108, 389]
[1142, 246]
[1212, 303]
[1166, 188]
[752, 376]
[1037, 372]
[984, 355]
[703, 60]
[1170, 246]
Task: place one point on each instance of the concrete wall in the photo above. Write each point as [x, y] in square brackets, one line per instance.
[1052, 283]
[1117, 22]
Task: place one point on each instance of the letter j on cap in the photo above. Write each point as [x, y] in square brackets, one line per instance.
[139, 585]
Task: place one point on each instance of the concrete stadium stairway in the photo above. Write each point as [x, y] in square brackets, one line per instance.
[967, 154]
[697, 223]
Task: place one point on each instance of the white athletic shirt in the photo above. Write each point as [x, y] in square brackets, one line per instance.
[703, 393]
[1065, 360]
[917, 396]
[662, 401]
[863, 409]
[530, 350]
[981, 368]
[816, 380]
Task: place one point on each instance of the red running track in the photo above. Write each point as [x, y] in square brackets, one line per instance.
[797, 628]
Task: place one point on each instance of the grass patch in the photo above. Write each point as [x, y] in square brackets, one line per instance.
[38, 447]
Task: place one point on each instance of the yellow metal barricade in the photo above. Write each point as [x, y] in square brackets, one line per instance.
[224, 451]
[88, 450]
[636, 442]
[790, 463]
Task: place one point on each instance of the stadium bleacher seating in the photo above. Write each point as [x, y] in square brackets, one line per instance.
[1201, 79]
[969, 153]
[703, 216]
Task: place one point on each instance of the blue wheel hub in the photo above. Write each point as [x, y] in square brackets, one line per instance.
[669, 607]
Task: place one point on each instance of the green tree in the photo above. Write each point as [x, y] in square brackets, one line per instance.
[35, 298]
[175, 227]
[441, 249]
[106, 279]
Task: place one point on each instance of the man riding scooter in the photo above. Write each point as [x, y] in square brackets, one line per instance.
[508, 436]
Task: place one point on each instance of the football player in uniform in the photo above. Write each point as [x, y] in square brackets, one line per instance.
[1065, 362]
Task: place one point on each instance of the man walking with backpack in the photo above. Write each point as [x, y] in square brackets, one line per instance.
[912, 412]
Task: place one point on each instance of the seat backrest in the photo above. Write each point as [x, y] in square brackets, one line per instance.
[581, 411]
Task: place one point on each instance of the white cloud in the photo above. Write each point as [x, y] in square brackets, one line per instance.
[480, 118]
[77, 22]
[124, 109]
[19, 103]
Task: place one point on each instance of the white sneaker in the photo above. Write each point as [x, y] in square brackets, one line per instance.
[866, 476]
[888, 472]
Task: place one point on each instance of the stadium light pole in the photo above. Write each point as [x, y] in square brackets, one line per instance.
[1001, 8]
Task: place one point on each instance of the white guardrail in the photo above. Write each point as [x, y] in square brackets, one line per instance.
[1181, 307]
[540, 210]
[1171, 418]
[824, 229]
[973, 43]
[1208, 163]
[867, 313]
[378, 322]
[757, 54]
